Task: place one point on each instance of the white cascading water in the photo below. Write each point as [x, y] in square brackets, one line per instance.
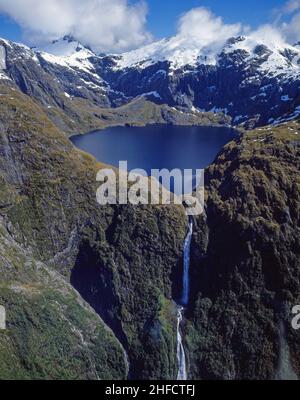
[182, 373]
[186, 265]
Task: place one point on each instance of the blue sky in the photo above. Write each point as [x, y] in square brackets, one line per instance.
[163, 14]
[121, 25]
[9, 29]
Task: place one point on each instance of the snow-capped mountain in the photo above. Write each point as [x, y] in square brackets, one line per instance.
[67, 47]
[246, 78]
[181, 51]
[68, 52]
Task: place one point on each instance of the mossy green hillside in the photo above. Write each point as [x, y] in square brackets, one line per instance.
[132, 252]
[51, 333]
[245, 269]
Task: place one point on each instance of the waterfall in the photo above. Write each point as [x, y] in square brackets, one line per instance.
[182, 375]
[186, 265]
[181, 360]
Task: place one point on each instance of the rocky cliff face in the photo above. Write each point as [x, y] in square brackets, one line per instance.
[51, 332]
[246, 261]
[120, 259]
[254, 86]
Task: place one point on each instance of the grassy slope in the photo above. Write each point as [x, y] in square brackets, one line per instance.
[81, 115]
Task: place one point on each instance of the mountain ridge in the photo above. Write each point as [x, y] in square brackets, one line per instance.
[249, 82]
[182, 51]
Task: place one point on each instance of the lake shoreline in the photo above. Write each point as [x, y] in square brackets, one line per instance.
[156, 146]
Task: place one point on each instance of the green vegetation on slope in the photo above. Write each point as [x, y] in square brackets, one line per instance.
[51, 333]
[132, 252]
[81, 115]
[246, 264]
[123, 260]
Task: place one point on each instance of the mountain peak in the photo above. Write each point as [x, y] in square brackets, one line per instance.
[235, 39]
[70, 38]
[66, 47]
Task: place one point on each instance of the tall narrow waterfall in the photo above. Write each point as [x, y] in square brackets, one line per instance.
[182, 373]
[186, 265]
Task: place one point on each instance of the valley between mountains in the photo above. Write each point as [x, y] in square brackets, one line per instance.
[89, 290]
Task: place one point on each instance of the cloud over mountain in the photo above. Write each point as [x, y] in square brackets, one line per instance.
[287, 20]
[202, 25]
[120, 25]
[106, 25]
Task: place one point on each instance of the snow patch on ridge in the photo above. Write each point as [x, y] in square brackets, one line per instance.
[3, 66]
[286, 98]
[154, 93]
[2, 58]
[70, 54]
[66, 47]
[286, 118]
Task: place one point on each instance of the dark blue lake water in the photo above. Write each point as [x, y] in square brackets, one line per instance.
[156, 146]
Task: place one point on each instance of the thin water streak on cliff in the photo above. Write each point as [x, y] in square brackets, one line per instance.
[181, 360]
[181, 357]
[285, 369]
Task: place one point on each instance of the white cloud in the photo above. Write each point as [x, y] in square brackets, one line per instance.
[289, 7]
[287, 20]
[291, 29]
[270, 35]
[120, 25]
[105, 25]
[202, 25]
